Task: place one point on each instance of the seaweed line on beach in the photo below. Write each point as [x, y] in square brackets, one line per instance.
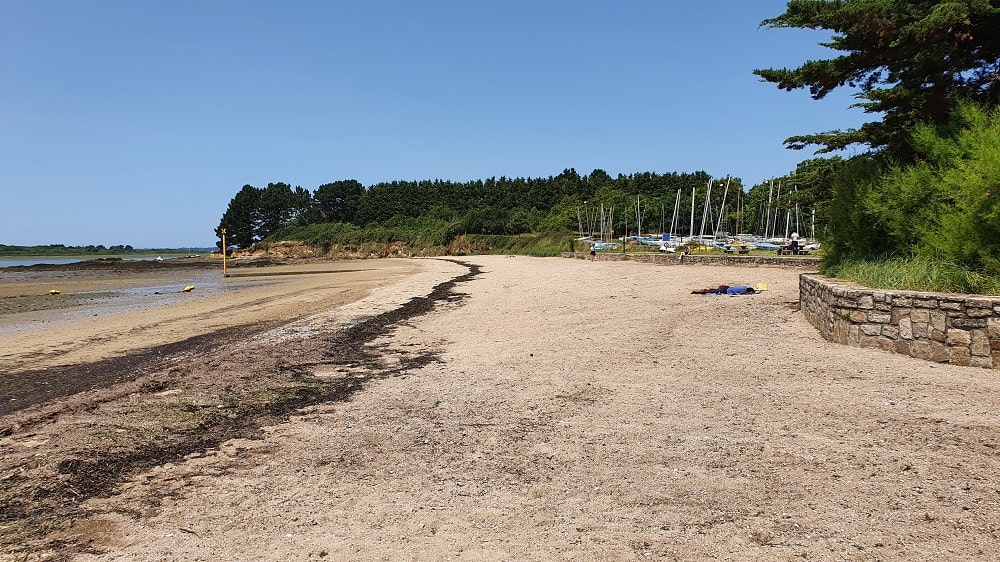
[34, 505]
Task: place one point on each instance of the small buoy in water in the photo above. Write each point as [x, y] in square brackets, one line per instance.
[189, 288]
[54, 292]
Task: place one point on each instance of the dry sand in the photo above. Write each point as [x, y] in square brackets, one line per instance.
[561, 410]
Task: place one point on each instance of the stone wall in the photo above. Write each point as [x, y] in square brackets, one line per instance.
[942, 327]
[668, 258]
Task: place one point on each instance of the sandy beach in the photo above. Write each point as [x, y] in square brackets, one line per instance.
[483, 408]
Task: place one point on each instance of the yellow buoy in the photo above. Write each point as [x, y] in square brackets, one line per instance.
[189, 288]
[54, 292]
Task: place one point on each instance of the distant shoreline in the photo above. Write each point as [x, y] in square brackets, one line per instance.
[61, 260]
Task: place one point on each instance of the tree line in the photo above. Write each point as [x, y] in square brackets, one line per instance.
[492, 206]
[63, 250]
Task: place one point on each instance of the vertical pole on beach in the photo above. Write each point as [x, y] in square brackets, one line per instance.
[223, 232]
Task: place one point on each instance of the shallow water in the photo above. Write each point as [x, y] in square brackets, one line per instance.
[55, 260]
[133, 299]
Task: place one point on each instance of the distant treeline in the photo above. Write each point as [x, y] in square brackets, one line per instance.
[434, 212]
[98, 250]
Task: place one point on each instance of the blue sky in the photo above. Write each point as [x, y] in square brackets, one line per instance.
[126, 122]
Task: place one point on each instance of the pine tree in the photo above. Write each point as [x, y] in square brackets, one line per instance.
[911, 61]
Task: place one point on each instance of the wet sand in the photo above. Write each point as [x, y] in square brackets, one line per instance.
[134, 306]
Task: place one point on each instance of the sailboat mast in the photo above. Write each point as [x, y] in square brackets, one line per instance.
[796, 209]
[691, 228]
[638, 218]
[704, 211]
[722, 207]
[774, 215]
[676, 215]
[767, 219]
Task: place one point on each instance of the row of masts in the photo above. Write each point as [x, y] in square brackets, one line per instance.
[770, 220]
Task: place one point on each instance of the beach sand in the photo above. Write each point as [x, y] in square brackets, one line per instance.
[496, 408]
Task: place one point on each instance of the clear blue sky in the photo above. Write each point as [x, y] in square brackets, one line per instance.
[125, 122]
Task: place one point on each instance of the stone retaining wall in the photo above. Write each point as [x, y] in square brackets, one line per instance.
[941, 327]
[675, 259]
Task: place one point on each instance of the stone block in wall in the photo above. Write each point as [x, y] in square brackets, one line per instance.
[950, 305]
[980, 345]
[925, 302]
[939, 321]
[871, 329]
[928, 351]
[979, 302]
[858, 316]
[939, 352]
[993, 326]
[880, 317]
[967, 323]
[867, 341]
[898, 313]
[984, 362]
[903, 302]
[921, 315]
[959, 355]
[938, 335]
[890, 331]
[866, 302]
[920, 330]
[853, 334]
[903, 347]
[905, 328]
[979, 312]
[956, 336]
[844, 302]
[885, 344]
[996, 359]
[841, 332]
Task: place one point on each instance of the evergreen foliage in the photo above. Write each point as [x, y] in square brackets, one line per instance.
[947, 203]
[436, 212]
[242, 218]
[912, 60]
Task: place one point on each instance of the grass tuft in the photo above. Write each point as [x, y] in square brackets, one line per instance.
[920, 273]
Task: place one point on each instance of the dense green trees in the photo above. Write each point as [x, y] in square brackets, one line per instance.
[910, 60]
[338, 201]
[946, 204]
[489, 206]
[926, 188]
[241, 220]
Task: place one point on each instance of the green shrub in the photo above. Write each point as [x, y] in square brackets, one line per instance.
[946, 206]
[920, 273]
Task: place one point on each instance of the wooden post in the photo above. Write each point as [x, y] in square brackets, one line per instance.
[223, 232]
